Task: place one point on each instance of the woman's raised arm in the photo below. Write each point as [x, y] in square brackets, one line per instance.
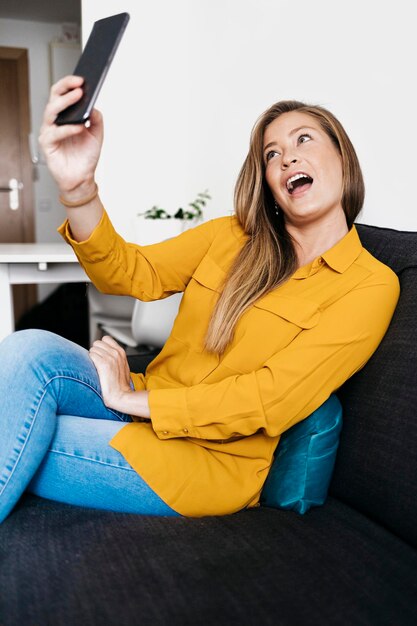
[72, 152]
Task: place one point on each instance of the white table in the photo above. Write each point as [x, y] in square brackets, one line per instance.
[33, 263]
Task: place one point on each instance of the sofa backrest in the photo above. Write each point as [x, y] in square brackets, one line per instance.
[376, 466]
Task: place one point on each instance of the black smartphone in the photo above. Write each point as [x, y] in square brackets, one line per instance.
[93, 66]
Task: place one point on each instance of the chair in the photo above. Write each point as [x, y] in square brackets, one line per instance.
[106, 311]
[133, 323]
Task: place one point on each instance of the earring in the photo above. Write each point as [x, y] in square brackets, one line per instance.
[276, 208]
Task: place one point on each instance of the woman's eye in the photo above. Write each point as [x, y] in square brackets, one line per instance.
[304, 138]
[270, 155]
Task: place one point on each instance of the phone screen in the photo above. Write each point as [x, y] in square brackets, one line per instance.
[94, 64]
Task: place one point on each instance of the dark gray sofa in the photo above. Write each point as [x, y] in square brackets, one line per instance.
[351, 562]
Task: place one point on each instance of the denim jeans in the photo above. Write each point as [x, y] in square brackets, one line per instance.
[55, 430]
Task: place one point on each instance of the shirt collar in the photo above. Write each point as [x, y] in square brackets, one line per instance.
[340, 257]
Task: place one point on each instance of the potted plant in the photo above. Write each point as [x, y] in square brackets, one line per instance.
[156, 224]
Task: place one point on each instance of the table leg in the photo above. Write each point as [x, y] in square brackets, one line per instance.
[6, 303]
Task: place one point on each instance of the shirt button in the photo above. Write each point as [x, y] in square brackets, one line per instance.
[164, 432]
[185, 430]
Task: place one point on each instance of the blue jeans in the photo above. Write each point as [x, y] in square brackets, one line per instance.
[55, 430]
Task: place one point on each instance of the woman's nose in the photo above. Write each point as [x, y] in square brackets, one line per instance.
[287, 160]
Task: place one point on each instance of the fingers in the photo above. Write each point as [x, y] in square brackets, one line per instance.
[108, 347]
[111, 342]
[96, 125]
[96, 117]
[65, 92]
[58, 103]
[65, 84]
[50, 136]
[111, 362]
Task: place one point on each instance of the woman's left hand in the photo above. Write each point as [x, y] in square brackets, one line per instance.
[113, 371]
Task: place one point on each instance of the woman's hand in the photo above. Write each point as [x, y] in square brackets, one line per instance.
[72, 150]
[113, 371]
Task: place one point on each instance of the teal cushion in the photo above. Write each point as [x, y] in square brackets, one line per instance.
[300, 474]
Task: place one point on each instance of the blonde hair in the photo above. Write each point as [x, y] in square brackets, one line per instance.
[268, 257]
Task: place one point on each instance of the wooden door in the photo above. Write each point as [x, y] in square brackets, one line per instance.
[16, 208]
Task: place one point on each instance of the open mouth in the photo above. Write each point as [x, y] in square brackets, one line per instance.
[299, 183]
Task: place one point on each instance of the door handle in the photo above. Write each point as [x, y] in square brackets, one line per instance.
[13, 190]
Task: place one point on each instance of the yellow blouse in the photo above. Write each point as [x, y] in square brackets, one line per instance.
[215, 422]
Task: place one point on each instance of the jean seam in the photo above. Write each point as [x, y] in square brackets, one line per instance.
[86, 384]
[86, 458]
[26, 439]
[36, 414]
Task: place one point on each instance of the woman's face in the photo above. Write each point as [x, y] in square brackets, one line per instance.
[303, 169]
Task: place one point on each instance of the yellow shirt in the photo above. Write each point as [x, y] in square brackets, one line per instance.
[215, 422]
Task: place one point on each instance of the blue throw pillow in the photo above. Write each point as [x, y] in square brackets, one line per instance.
[304, 460]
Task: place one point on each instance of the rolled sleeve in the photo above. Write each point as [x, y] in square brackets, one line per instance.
[169, 413]
[96, 248]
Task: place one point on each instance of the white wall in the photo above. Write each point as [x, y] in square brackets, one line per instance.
[191, 77]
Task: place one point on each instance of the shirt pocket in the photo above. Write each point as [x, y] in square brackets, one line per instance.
[269, 326]
[197, 304]
[298, 311]
[209, 275]
[190, 327]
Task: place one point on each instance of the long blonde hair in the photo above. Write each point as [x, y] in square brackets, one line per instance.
[268, 257]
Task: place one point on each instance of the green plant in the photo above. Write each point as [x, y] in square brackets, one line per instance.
[197, 206]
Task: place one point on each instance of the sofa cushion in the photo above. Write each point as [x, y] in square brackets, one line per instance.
[376, 465]
[304, 460]
[395, 248]
[64, 565]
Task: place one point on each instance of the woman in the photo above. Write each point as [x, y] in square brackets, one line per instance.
[281, 305]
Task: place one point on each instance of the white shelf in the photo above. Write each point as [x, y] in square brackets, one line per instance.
[36, 253]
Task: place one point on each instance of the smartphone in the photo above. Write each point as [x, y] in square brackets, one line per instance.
[93, 66]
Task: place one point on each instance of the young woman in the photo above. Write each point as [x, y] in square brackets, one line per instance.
[281, 305]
